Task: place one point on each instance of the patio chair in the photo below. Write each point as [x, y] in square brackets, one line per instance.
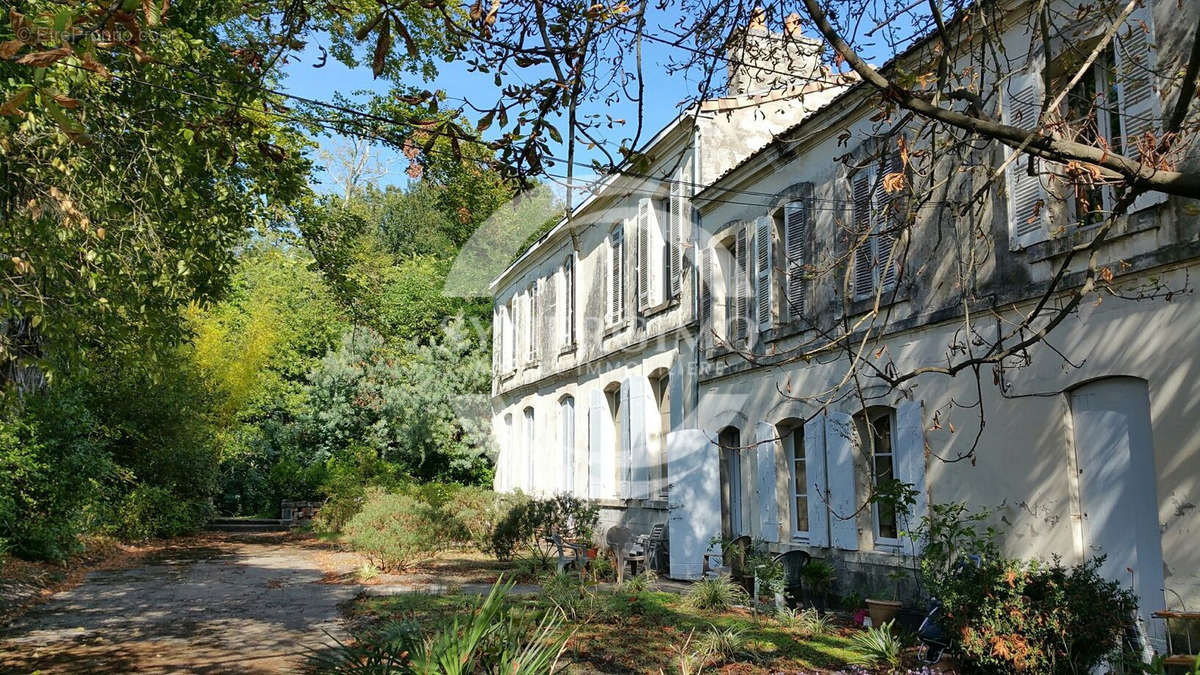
[569, 554]
[621, 542]
[655, 546]
[733, 560]
[793, 562]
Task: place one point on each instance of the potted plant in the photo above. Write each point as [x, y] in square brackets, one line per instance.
[816, 579]
[883, 606]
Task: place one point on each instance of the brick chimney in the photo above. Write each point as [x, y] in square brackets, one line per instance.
[761, 60]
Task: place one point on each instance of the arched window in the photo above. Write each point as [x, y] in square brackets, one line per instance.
[792, 434]
[566, 413]
[730, 439]
[529, 440]
[568, 296]
[875, 427]
[660, 386]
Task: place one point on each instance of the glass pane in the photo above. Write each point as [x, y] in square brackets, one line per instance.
[887, 521]
[883, 467]
[801, 478]
[802, 514]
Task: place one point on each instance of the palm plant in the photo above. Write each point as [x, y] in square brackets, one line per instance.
[878, 645]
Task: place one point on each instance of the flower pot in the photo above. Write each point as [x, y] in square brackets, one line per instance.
[882, 611]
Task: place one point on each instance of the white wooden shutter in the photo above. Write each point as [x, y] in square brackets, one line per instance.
[656, 256]
[768, 503]
[598, 444]
[763, 272]
[616, 281]
[625, 459]
[550, 323]
[1137, 92]
[741, 285]
[533, 330]
[637, 391]
[642, 255]
[864, 273]
[797, 217]
[885, 222]
[840, 444]
[910, 460]
[817, 488]
[675, 239]
[497, 340]
[568, 304]
[1029, 217]
[706, 297]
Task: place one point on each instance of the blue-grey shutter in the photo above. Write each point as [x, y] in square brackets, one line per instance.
[840, 444]
[909, 451]
[817, 488]
[767, 500]
[1137, 92]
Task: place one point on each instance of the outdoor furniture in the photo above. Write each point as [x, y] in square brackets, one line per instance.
[621, 542]
[1181, 623]
[793, 563]
[733, 560]
[569, 554]
[656, 547]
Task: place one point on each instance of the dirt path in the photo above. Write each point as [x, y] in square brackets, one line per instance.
[231, 603]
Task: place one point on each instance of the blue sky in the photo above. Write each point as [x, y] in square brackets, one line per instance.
[663, 95]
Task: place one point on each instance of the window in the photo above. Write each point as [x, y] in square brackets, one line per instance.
[794, 446]
[531, 317]
[678, 215]
[651, 254]
[508, 451]
[507, 336]
[529, 439]
[733, 255]
[729, 439]
[567, 437]
[616, 275]
[877, 424]
[568, 301]
[875, 214]
[620, 464]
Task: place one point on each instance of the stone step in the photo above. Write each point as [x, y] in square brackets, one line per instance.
[246, 525]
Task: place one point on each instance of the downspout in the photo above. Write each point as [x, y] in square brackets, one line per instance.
[695, 241]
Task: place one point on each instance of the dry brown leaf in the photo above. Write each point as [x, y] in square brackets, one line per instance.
[12, 105]
[45, 58]
[10, 48]
[893, 182]
[66, 101]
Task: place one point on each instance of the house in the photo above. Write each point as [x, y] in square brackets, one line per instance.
[793, 278]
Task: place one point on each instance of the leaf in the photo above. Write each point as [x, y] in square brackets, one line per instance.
[45, 58]
[893, 182]
[554, 133]
[409, 43]
[362, 33]
[486, 121]
[10, 48]
[66, 101]
[382, 46]
[12, 105]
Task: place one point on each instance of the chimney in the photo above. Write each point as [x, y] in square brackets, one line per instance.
[761, 60]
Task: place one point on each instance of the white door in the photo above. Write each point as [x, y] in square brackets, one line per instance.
[1114, 449]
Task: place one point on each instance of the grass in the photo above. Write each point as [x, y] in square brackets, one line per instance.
[642, 631]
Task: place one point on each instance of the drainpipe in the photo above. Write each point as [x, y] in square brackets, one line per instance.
[695, 241]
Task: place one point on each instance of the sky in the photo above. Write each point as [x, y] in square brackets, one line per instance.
[302, 79]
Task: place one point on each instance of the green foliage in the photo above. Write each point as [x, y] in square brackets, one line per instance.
[396, 531]
[528, 524]
[817, 576]
[725, 644]
[807, 621]
[1046, 618]
[877, 645]
[716, 594]
[569, 595]
[490, 638]
[152, 511]
[951, 533]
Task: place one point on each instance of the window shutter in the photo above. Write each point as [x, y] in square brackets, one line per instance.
[643, 253]
[764, 271]
[642, 412]
[706, 275]
[675, 239]
[741, 286]
[568, 327]
[625, 470]
[497, 340]
[864, 274]
[910, 461]
[533, 330]
[797, 217]
[550, 321]
[616, 283]
[599, 445]
[817, 488]
[885, 222]
[840, 446]
[1137, 92]
[1029, 217]
[768, 503]
[656, 256]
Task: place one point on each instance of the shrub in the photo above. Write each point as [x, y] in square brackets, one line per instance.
[807, 621]
[716, 594]
[877, 645]
[477, 510]
[1034, 617]
[725, 644]
[569, 596]
[395, 531]
[528, 523]
[151, 511]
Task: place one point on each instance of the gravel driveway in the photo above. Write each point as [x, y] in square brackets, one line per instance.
[228, 603]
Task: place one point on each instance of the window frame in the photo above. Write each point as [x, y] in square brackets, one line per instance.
[790, 445]
[869, 416]
[566, 412]
[568, 302]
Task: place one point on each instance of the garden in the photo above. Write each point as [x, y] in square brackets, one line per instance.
[526, 615]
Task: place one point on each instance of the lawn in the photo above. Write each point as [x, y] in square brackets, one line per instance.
[639, 631]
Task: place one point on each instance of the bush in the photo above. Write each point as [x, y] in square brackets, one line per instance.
[478, 510]
[151, 511]
[395, 531]
[716, 594]
[878, 645]
[1033, 617]
[528, 523]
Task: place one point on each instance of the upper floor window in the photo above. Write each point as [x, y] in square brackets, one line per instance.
[616, 275]
[531, 317]
[568, 301]
[652, 253]
[1112, 107]
[876, 214]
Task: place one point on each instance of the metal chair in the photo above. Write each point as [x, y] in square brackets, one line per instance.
[655, 545]
[569, 555]
[733, 559]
